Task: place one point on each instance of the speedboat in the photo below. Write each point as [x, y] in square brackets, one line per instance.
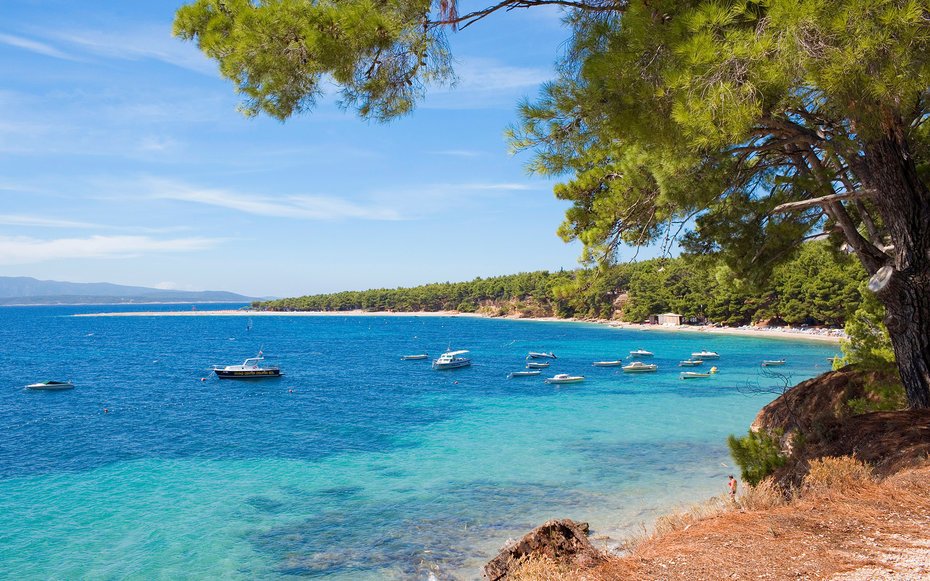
[690, 363]
[535, 355]
[696, 375]
[641, 353]
[451, 360]
[51, 385]
[704, 355]
[523, 374]
[693, 375]
[537, 365]
[250, 369]
[607, 363]
[565, 378]
[639, 367]
[773, 363]
[414, 357]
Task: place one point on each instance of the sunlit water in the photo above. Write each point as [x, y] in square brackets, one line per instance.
[355, 465]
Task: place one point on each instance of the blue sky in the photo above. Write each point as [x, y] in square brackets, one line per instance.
[124, 160]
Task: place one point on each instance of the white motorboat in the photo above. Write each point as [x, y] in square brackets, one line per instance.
[607, 363]
[452, 360]
[535, 355]
[51, 385]
[705, 355]
[565, 378]
[414, 357]
[523, 374]
[249, 369]
[690, 363]
[639, 367]
[641, 353]
[537, 365]
[773, 363]
[693, 375]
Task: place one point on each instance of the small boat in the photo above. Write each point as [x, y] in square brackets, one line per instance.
[690, 363]
[51, 385]
[639, 367]
[565, 378]
[250, 369]
[704, 355]
[773, 363]
[693, 375]
[451, 360]
[537, 365]
[641, 353]
[414, 357]
[535, 355]
[523, 374]
[607, 363]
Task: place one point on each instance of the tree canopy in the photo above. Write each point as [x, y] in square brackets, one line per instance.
[739, 127]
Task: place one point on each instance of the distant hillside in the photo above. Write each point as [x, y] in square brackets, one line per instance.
[21, 290]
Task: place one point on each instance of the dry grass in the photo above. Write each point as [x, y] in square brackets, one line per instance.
[842, 475]
[840, 521]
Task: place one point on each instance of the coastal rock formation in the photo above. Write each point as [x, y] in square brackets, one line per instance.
[563, 541]
[819, 410]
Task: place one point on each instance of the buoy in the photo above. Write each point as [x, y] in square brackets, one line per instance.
[203, 379]
[106, 411]
[713, 370]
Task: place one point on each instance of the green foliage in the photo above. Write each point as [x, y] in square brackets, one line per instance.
[280, 52]
[692, 286]
[757, 454]
[880, 396]
[868, 344]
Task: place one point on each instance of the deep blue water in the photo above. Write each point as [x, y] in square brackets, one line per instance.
[355, 464]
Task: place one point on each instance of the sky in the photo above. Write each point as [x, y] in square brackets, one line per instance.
[123, 159]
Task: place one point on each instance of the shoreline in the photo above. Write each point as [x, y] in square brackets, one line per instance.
[785, 333]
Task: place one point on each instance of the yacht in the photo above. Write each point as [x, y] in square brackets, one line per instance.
[523, 374]
[537, 365]
[414, 357]
[617, 363]
[639, 367]
[249, 369]
[773, 363]
[451, 360]
[641, 353]
[535, 355]
[565, 378]
[690, 363]
[51, 385]
[705, 355]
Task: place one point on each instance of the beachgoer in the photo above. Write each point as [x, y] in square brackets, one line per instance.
[732, 486]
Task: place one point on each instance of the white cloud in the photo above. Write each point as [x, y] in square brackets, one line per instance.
[487, 84]
[25, 250]
[34, 46]
[20, 220]
[154, 42]
[457, 153]
[307, 207]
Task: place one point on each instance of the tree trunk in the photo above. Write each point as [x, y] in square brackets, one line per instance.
[903, 286]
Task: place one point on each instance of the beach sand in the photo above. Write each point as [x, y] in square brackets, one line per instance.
[788, 333]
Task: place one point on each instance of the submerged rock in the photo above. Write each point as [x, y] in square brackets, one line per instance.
[563, 541]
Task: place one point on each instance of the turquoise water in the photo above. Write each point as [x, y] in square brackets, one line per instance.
[355, 465]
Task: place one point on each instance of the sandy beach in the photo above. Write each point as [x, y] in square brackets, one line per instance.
[788, 333]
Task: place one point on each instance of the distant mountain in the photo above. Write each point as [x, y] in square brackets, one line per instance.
[22, 290]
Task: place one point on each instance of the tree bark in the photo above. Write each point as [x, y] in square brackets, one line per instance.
[903, 202]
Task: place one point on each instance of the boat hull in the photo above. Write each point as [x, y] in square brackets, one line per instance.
[58, 386]
[414, 357]
[247, 373]
[640, 370]
[563, 381]
[451, 365]
[607, 363]
[772, 363]
[692, 375]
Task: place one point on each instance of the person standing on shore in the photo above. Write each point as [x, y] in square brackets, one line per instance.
[732, 486]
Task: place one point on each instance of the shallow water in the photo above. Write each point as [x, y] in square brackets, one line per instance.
[355, 465]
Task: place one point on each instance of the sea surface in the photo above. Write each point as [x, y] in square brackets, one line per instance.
[355, 465]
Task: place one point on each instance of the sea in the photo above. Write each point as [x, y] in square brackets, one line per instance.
[356, 464]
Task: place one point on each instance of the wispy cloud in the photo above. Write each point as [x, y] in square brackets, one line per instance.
[35, 47]
[153, 42]
[19, 220]
[457, 153]
[487, 84]
[25, 250]
[307, 207]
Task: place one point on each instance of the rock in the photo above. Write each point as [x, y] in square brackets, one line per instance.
[563, 541]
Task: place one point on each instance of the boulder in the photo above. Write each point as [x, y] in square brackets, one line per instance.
[563, 541]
